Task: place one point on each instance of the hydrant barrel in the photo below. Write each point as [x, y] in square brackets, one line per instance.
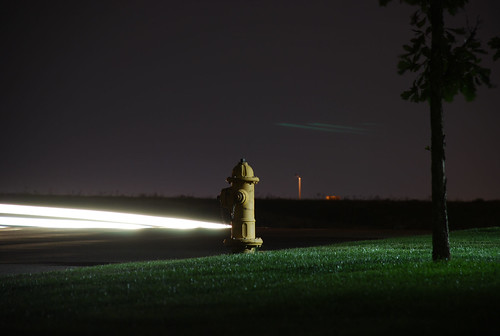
[239, 199]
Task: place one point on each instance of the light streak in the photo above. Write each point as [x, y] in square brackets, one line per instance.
[66, 223]
[339, 128]
[79, 218]
[327, 128]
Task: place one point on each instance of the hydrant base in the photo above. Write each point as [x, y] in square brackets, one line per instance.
[243, 245]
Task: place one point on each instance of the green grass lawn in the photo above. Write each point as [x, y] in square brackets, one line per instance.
[371, 287]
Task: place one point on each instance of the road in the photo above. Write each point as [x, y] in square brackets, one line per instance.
[33, 250]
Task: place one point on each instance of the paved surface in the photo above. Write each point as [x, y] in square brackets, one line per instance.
[33, 250]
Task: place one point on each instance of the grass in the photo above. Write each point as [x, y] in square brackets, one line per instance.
[370, 287]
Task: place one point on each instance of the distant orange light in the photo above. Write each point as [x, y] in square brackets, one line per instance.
[300, 185]
[333, 198]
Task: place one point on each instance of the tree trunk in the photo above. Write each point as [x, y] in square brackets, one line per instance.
[440, 240]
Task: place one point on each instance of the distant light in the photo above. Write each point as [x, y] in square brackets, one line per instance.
[299, 179]
[333, 198]
[78, 218]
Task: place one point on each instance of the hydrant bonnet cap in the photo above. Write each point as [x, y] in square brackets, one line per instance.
[243, 171]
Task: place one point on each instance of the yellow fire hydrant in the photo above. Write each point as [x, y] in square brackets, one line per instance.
[239, 200]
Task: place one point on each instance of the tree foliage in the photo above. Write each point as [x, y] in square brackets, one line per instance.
[447, 62]
[462, 71]
[495, 45]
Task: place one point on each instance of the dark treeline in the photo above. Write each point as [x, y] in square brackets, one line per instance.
[378, 214]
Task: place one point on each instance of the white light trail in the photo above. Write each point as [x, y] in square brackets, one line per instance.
[66, 223]
[78, 218]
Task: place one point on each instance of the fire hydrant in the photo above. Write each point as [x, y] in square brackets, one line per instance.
[239, 200]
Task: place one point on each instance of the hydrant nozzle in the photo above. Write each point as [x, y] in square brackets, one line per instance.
[238, 199]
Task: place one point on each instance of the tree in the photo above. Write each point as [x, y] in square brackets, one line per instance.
[447, 63]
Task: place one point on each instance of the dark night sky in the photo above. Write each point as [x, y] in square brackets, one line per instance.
[132, 97]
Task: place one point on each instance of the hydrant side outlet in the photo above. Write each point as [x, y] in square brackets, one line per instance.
[239, 200]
